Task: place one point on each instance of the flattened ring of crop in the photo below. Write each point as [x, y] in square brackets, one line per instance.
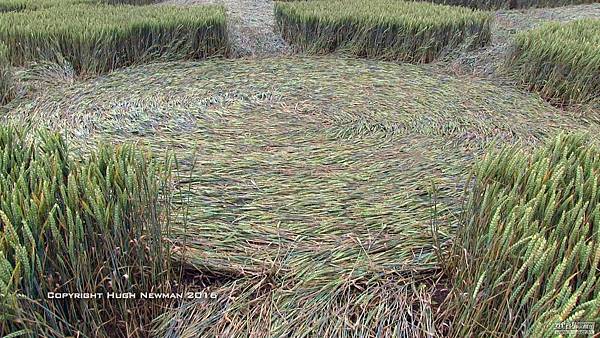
[305, 174]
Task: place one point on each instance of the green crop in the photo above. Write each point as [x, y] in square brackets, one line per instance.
[496, 4]
[20, 5]
[32, 5]
[100, 38]
[387, 29]
[5, 75]
[75, 226]
[561, 61]
[528, 252]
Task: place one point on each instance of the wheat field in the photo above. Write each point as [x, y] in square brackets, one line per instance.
[359, 186]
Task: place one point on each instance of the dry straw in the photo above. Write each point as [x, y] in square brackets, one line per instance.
[387, 29]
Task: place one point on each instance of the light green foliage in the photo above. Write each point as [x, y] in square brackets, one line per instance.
[561, 61]
[99, 38]
[93, 225]
[21, 5]
[5, 75]
[387, 29]
[537, 264]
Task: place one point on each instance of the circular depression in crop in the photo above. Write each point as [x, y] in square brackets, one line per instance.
[321, 147]
[315, 170]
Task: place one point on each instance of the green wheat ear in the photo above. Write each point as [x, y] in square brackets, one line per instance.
[552, 255]
[73, 243]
